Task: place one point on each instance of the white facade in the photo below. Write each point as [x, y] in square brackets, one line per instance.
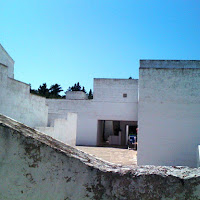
[108, 104]
[17, 102]
[169, 112]
[15, 98]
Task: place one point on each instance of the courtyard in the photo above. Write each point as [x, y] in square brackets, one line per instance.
[113, 155]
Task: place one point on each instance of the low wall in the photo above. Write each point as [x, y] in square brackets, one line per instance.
[15, 98]
[35, 166]
[63, 130]
[17, 102]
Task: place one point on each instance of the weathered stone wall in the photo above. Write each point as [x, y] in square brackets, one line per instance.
[34, 166]
[169, 112]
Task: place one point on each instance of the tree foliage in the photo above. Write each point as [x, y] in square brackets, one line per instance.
[33, 91]
[55, 89]
[52, 92]
[43, 90]
[90, 95]
[77, 87]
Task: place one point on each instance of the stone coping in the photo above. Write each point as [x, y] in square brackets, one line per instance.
[170, 64]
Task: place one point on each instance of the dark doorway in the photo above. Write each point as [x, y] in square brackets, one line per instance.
[115, 133]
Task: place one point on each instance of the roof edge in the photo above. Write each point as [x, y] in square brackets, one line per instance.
[170, 64]
[6, 53]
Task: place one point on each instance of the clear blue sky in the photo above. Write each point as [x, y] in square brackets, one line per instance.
[77, 40]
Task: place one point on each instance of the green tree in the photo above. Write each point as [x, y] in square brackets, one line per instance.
[90, 95]
[76, 87]
[33, 91]
[83, 89]
[55, 90]
[43, 90]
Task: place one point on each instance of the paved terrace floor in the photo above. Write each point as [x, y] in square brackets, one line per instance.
[113, 155]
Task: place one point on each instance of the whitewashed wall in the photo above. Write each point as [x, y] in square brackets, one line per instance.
[71, 95]
[100, 108]
[62, 129]
[86, 122]
[6, 60]
[15, 98]
[37, 167]
[169, 112]
[112, 90]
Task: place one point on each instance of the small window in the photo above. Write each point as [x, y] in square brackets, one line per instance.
[124, 95]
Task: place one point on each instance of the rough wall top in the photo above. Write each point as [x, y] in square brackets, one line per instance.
[171, 64]
[178, 171]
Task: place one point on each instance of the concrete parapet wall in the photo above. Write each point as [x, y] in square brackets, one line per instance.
[36, 167]
[17, 102]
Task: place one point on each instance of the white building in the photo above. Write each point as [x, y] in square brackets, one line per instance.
[17, 102]
[167, 110]
[15, 98]
[114, 105]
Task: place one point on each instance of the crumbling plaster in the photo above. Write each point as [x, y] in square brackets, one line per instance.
[35, 166]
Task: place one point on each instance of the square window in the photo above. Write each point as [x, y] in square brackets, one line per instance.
[124, 95]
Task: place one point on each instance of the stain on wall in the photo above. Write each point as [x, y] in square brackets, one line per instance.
[35, 166]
